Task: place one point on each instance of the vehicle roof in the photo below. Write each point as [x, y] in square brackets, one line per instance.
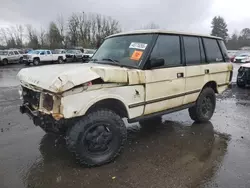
[246, 65]
[158, 31]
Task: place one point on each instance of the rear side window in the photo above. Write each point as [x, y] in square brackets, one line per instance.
[192, 50]
[224, 50]
[213, 51]
[16, 53]
[48, 52]
[167, 47]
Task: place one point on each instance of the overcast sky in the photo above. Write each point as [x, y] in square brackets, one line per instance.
[182, 15]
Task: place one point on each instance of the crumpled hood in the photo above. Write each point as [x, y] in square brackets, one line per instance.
[59, 78]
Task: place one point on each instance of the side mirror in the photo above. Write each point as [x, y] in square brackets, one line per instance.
[156, 63]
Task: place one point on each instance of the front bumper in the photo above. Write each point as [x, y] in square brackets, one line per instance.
[33, 114]
[45, 121]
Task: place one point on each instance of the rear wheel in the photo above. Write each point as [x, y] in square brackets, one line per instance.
[21, 60]
[98, 138]
[5, 62]
[205, 106]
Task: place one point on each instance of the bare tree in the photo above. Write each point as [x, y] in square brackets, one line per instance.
[73, 26]
[33, 41]
[61, 25]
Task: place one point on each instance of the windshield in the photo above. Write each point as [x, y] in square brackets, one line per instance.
[125, 50]
[3, 53]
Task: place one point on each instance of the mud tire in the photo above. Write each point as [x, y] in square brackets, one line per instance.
[205, 106]
[80, 137]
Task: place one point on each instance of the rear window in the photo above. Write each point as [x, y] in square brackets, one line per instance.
[224, 50]
[213, 51]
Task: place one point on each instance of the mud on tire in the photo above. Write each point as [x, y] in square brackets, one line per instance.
[205, 105]
[97, 138]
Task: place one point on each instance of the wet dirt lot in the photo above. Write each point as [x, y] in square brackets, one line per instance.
[176, 153]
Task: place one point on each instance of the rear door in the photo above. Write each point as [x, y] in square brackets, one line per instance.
[195, 67]
[165, 85]
[217, 69]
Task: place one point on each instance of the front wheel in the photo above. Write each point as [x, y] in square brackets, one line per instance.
[60, 60]
[205, 106]
[36, 62]
[5, 62]
[98, 138]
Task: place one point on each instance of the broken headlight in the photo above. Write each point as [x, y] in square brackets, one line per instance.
[48, 102]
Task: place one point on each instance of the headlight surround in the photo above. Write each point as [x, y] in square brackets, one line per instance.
[48, 102]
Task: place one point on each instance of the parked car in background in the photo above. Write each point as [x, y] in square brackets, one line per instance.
[87, 55]
[231, 54]
[74, 55]
[10, 56]
[243, 77]
[59, 51]
[43, 56]
[242, 57]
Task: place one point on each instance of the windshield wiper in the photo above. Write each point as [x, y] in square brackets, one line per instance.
[113, 60]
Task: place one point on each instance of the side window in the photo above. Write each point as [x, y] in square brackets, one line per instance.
[192, 50]
[203, 57]
[48, 52]
[16, 53]
[167, 47]
[212, 50]
[224, 50]
[11, 53]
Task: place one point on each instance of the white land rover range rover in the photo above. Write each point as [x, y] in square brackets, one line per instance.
[138, 75]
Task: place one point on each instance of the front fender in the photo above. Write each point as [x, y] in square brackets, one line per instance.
[78, 104]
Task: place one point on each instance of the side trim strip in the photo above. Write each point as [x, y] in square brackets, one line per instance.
[163, 99]
[161, 113]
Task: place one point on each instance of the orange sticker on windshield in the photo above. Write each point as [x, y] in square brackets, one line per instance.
[136, 55]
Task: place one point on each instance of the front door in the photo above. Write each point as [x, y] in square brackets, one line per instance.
[165, 86]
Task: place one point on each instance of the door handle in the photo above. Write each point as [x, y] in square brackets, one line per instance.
[180, 75]
[206, 71]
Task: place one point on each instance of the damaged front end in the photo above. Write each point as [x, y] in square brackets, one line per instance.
[43, 108]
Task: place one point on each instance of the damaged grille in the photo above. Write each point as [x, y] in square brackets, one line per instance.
[31, 97]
